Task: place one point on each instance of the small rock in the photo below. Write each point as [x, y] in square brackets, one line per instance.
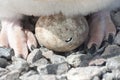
[113, 63]
[61, 77]
[77, 59]
[85, 73]
[35, 55]
[13, 75]
[54, 68]
[6, 53]
[56, 59]
[49, 77]
[33, 77]
[96, 78]
[3, 71]
[62, 68]
[47, 54]
[108, 76]
[39, 62]
[97, 62]
[18, 64]
[26, 76]
[3, 62]
[111, 51]
[114, 75]
[117, 39]
[116, 18]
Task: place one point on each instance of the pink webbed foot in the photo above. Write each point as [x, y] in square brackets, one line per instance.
[15, 36]
[101, 28]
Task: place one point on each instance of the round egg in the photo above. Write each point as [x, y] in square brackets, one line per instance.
[61, 33]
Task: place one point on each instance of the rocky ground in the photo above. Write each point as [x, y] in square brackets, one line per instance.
[44, 64]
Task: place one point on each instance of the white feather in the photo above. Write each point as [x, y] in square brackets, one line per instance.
[17, 8]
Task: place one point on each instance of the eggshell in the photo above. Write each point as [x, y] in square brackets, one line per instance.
[61, 33]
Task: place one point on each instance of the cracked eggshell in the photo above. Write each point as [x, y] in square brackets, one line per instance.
[61, 33]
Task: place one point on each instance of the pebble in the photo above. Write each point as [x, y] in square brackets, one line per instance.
[3, 71]
[116, 18]
[117, 39]
[35, 55]
[96, 78]
[108, 76]
[40, 62]
[85, 73]
[77, 59]
[113, 63]
[6, 53]
[59, 69]
[33, 77]
[47, 54]
[13, 75]
[97, 62]
[49, 77]
[111, 51]
[56, 59]
[114, 75]
[30, 75]
[18, 64]
[3, 62]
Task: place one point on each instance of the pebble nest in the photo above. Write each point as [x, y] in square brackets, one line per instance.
[44, 64]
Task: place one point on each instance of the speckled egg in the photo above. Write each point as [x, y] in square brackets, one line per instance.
[60, 33]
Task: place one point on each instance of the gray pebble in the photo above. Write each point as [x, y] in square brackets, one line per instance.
[97, 62]
[114, 75]
[47, 54]
[77, 59]
[113, 63]
[3, 71]
[95, 78]
[108, 76]
[116, 18]
[13, 75]
[6, 52]
[33, 77]
[60, 68]
[61, 77]
[26, 75]
[56, 59]
[18, 64]
[117, 39]
[40, 62]
[111, 51]
[85, 73]
[49, 77]
[3, 62]
[35, 55]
